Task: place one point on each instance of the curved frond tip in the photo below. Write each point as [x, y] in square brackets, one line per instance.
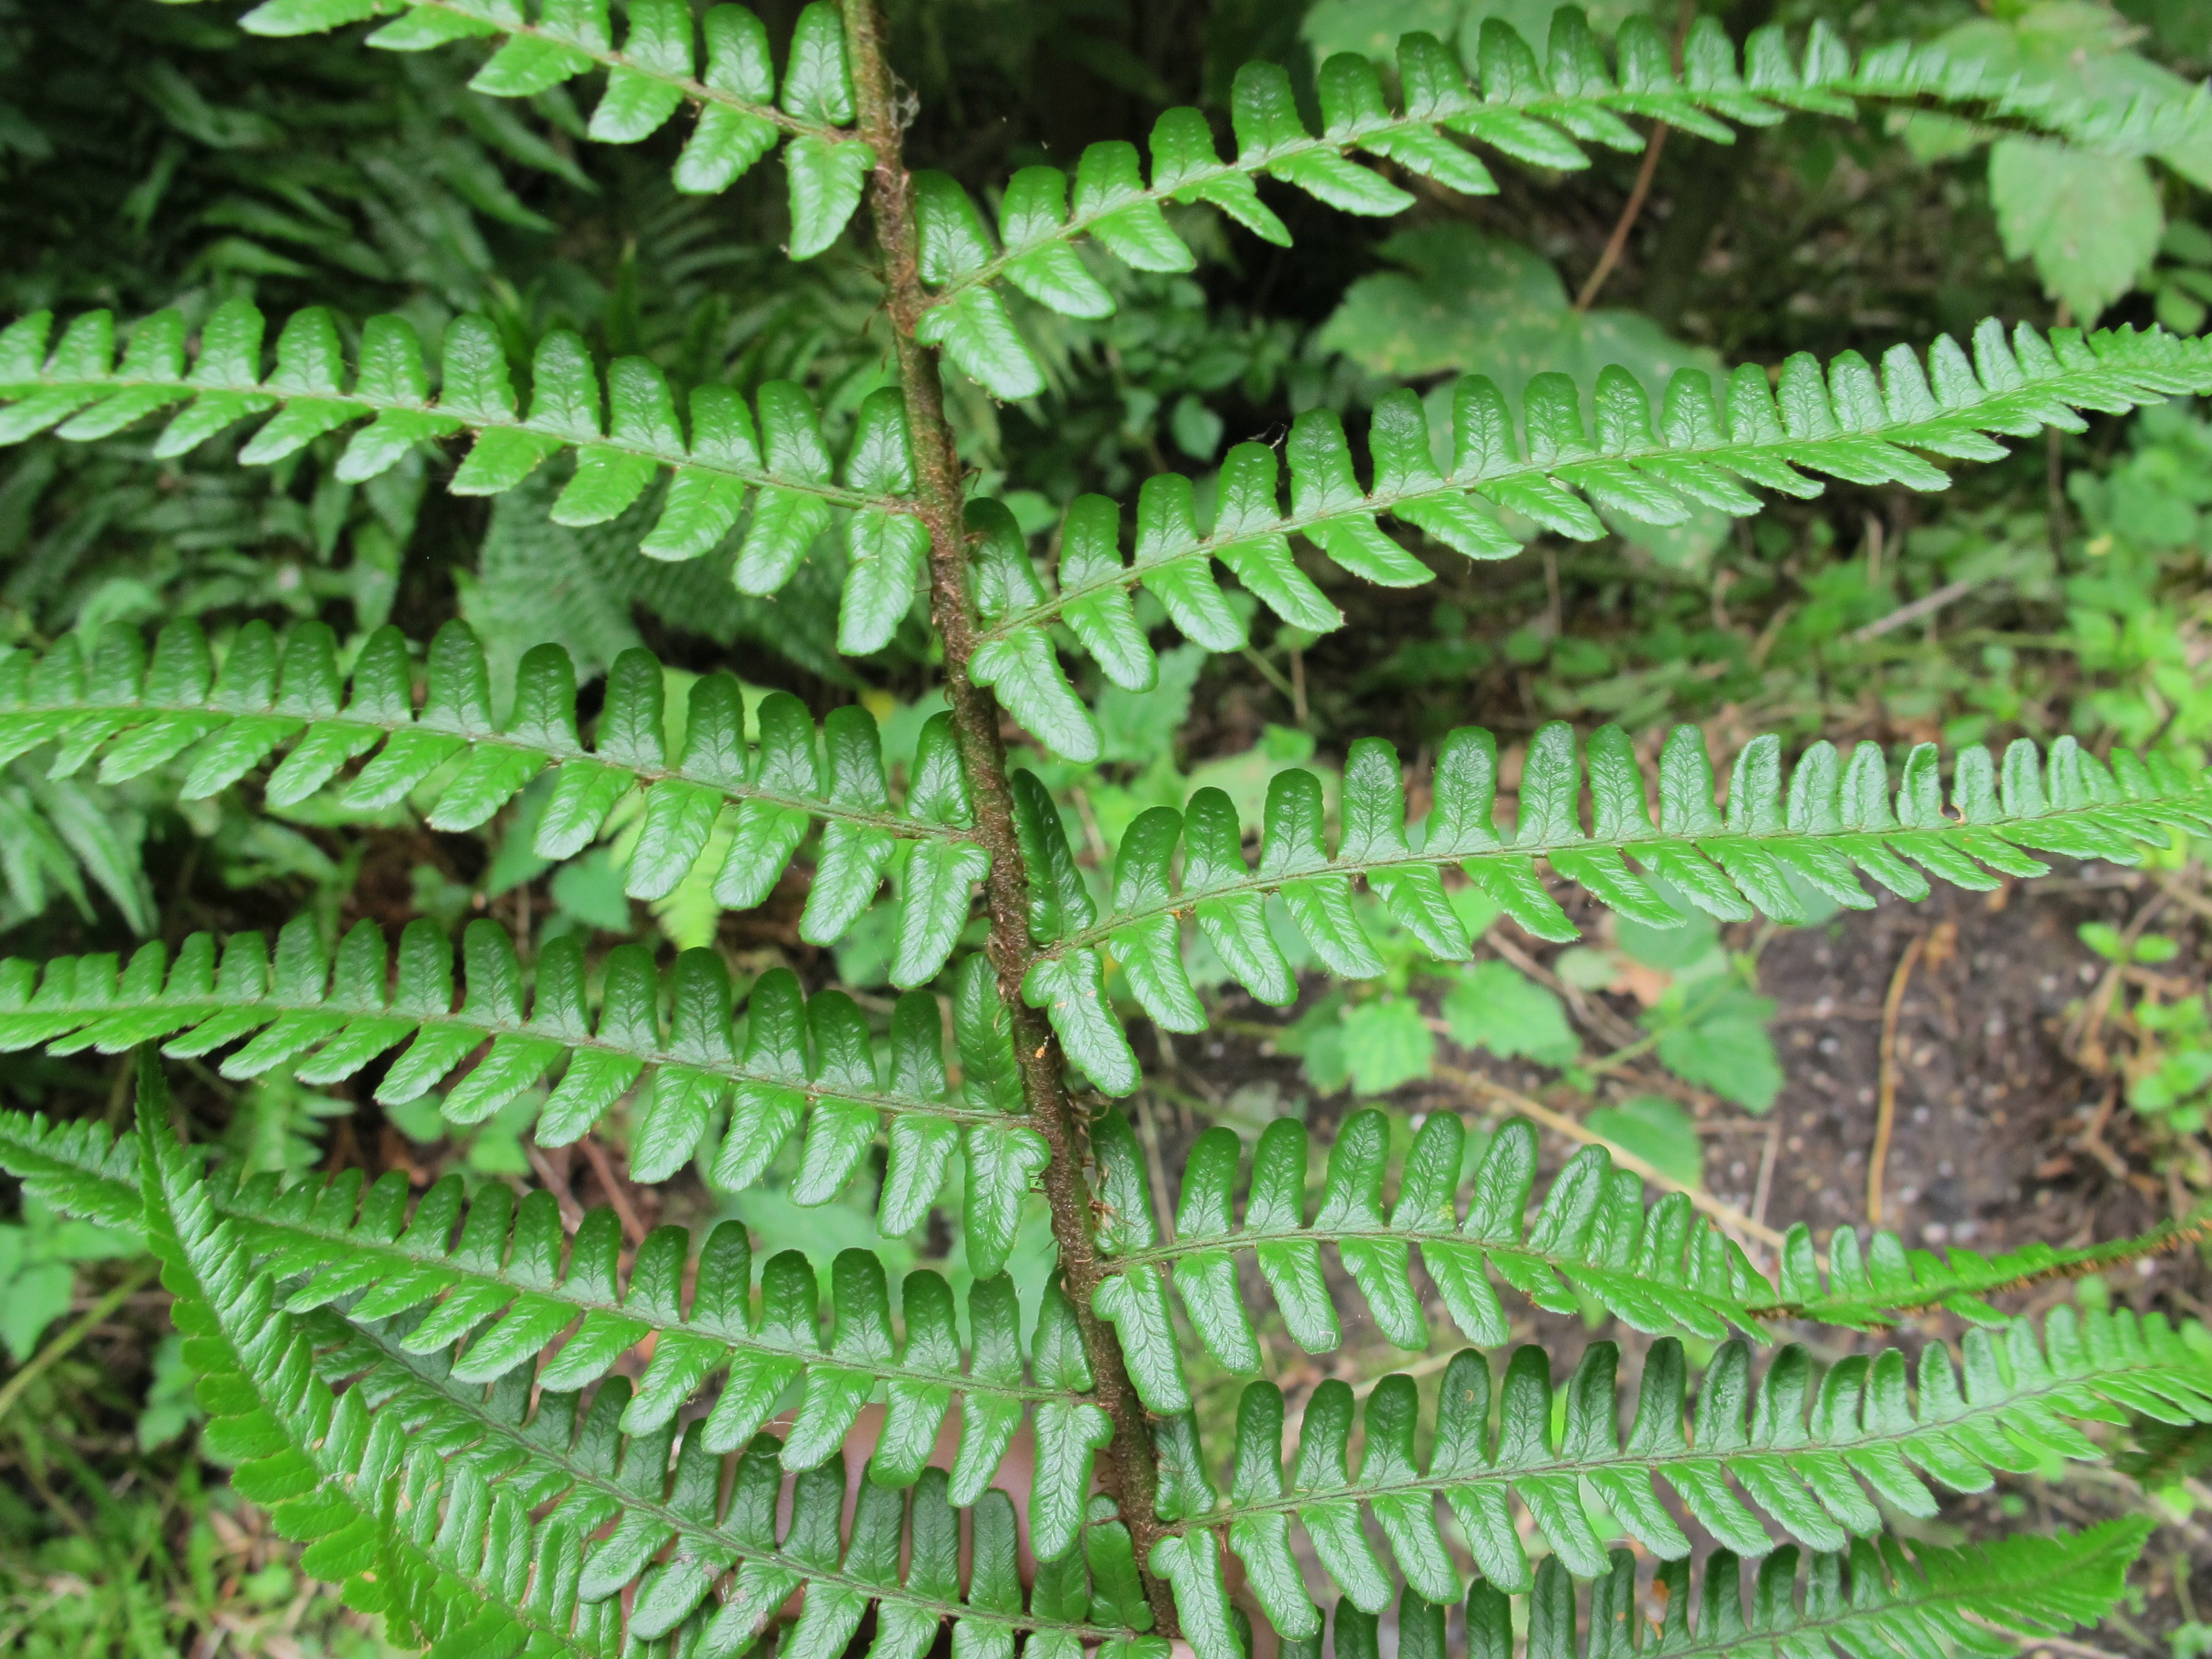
[476, 1518]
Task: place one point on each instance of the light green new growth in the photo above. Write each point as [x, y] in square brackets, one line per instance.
[511, 1431]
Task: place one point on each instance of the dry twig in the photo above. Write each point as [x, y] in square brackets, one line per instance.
[1885, 1113]
[617, 1190]
[1727, 1215]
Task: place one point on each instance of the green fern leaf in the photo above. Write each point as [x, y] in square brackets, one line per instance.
[415, 1481]
[500, 1284]
[1537, 108]
[719, 65]
[1665, 1269]
[1798, 1458]
[1874, 1598]
[808, 1069]
[622, 439]
[1550, 468]
[219, 723]
[1835, 821]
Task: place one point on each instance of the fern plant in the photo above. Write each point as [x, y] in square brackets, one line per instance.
[507, 1429]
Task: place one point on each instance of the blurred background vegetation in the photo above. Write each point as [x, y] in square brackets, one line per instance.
[154, 155]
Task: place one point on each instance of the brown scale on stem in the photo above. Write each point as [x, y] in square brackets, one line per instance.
[1132, 1471]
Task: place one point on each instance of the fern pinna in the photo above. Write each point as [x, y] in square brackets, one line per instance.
[509, 1428]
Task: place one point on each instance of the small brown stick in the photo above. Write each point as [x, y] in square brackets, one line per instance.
[572, 1213]
[1927, 605]
[1630, 212]
[1156, 1166]
[1600, 1019]
[603, 1167]
[2184, 896]
[1885, 1113]
[1765, 1189]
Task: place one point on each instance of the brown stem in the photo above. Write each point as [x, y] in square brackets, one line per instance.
[1617, 244]
[1886, 1112]
[983, 751]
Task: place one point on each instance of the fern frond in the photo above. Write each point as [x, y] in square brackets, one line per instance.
[55, 833]
[1665, 1270]
[417, 1488]
[659, 68]
[78, 1169]
[804, 1061]
[491, 1272]
[1845, 422]
[1799, 1460]
[782, 465]
[1874, 1599]
[1835, 820]
[1539, 112]
[1874, 1286]
[598, 1472]
[222, 722]
[445, 1559]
